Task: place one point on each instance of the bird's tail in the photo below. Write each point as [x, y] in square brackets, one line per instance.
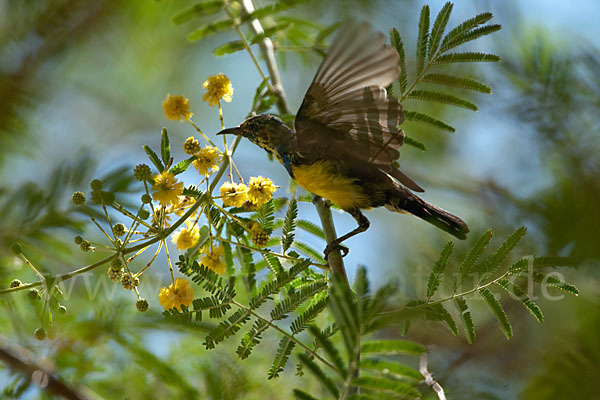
[408, 202]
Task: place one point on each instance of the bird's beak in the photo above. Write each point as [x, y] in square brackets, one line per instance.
[231, 131]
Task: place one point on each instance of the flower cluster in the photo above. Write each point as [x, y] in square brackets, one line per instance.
[212, 259]
[217, 87]
[166, 189]
[174, 296]
[234, 194]
[207, 160]
[260, 190]
[187, 237]
[177, 108]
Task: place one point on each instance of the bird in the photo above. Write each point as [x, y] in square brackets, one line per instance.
[346, 136]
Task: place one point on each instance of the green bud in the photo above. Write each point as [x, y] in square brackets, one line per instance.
[142, 172]
[119, 229]
[143, 214]
[142, 305]
[146, 198]
[78, 198]
[34, 294]
[16, 249]
[96, 185]
[62, 309]
[78, 239]
[40, 333]
[15, 283]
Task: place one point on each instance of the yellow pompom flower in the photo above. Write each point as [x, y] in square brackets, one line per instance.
[217, 87]
[260, 190]
[176, 295]
[233, 194]
[181, 206]
[166, 189]
[187, 237]
[177, 108]
[207, 160]
[212, 259]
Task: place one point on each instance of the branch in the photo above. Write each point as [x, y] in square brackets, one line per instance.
[19, 360]
[437, 388]
[266, 45]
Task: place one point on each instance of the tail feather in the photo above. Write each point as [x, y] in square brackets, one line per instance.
[413, 204]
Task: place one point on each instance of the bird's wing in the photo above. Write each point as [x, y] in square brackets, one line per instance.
[346, 110]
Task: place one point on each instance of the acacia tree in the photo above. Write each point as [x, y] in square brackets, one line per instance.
[245, 271]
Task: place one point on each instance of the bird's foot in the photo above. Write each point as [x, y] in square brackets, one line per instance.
[335, 246]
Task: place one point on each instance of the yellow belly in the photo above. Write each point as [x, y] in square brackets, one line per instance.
[322, 179]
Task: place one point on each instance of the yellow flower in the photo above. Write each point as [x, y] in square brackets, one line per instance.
[177, 108]
[233, 194]
[207, 160]
[175, 296]
[218, 87]
[212, 259]
[166, 188]
[181, 206]
[187, 237]
[260, 190]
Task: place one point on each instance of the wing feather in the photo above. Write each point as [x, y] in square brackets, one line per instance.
[346, 110]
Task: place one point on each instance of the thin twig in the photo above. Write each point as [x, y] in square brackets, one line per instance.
[437, 388]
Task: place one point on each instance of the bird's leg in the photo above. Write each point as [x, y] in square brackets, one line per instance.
[363, 225]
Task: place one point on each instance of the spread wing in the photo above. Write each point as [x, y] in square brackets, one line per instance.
[346, 111]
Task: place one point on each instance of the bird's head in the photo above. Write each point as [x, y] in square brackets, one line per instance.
[266, 131]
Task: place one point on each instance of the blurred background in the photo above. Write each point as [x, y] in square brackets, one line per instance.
[81, 86]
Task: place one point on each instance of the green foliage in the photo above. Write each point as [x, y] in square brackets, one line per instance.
[289, 225]
[431, 50]
[491, 272]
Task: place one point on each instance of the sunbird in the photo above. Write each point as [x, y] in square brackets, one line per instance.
[346, 136]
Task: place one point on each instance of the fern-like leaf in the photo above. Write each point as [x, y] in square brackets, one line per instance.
[465, 57]
[523, 298]
[466, 319]
[293, 300]
[457, 81]
[436, 274]
[289, 225]
[472, 35]
[265, 216]
[438, 97]
[498, 311]
[198, 10]
[305, 318]
[422, 39]
[319, 374]
[332, 353]
[286, 345]
[400, 389]
[387, 367]
[439, 26]
[308, 251]
[416, 116]
[492, 263]
[310, 228]
[396, 41]
[210, 29]
[301, 395]
[251, 339]
[464, 28]
[409, 141]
